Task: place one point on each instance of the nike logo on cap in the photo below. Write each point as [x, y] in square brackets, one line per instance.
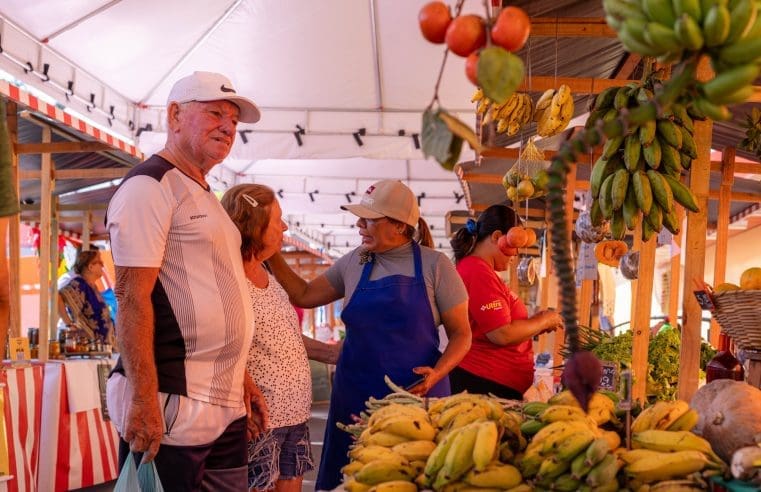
[226, 89]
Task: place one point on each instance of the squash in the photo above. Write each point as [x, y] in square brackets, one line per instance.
[729, 415]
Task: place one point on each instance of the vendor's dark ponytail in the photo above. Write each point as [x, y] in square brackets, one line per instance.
[495, 218]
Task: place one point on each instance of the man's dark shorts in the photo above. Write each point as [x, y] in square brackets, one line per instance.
[219, 466]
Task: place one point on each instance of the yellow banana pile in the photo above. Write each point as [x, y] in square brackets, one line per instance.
[663, 455]
[728, 32]
[554, 111]
[510, 116]
[637, 179]
[675, 415]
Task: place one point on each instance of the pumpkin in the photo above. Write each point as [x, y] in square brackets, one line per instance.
[729, 412]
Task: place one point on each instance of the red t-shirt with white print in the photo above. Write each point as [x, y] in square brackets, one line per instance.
[491, 305]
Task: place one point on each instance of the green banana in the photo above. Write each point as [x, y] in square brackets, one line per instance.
[661, 190]
[632, 150]
[689, 33]
[716, 25]
[642, 191]
[631, 36]
[653, 154]
[682, 194]
[531, 426]
[688, 7]
[670, 159]
[659, 11]
[741, 19]
[611, 146]
[630, 209]
[595, 215]
[601, 170]
[688, 143]
[717, 112]
[459, 458]
[621, 99]
[436, 459]
[618, 188]
[606, 205]
[682, 117]
[647, 132]
[647, 230]
[604, 100]
[573, 445]
[671, 222]
[655, 217]
[657, 34]
[580, 467]
[622, 9]
[597, 451]
[530, 463]
[670, 133]
[617, 225]
[604, 472]
[743, 51]
[534, 408]
[685, 161]
[738, 97]
[730, 81]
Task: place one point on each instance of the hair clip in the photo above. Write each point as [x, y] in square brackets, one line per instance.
[471, 226]
[251, 201]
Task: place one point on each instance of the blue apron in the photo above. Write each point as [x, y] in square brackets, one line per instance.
[389, 330]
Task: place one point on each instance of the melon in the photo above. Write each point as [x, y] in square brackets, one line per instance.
[751, 279]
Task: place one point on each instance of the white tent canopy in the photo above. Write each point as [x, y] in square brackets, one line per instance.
[331, 67]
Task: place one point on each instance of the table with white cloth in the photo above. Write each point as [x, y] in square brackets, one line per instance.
[78, 448]
[56, 436]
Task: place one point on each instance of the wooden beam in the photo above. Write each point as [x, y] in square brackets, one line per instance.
[570, 27]
[61, 147]
[102, 173]
[722, 230]
[69, 207]
[695, 248]
[628, 67]
[676, 269]
[578, 85]
[47, 186]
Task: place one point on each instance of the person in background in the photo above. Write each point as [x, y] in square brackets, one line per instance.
[9, 206]
[396, 292]
[180, 392]
[501, 359]
[80, 303]
[278, 357]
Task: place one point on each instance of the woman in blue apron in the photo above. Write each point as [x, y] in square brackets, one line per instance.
[396, 294]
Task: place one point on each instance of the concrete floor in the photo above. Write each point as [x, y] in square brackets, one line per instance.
[316, 431]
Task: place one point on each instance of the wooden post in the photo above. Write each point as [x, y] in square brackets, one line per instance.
[722, 229]
[641, 317]
[695, 249]
[46, 192]
[544, 286]
[86, 226]
[14, 234]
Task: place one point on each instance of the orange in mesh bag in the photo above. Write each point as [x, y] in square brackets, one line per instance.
[528, 176]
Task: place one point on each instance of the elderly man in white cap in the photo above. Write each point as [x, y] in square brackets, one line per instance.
[179, 392]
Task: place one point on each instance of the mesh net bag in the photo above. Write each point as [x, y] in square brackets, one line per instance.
[528, 176]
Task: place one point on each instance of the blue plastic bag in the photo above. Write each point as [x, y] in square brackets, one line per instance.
[144, 478]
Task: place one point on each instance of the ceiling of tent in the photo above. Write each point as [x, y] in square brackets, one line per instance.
[334, 68]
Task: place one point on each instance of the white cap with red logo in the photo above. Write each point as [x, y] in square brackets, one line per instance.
[387, 198]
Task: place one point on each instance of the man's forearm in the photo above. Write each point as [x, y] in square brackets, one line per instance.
[135, 338]
[320, 351]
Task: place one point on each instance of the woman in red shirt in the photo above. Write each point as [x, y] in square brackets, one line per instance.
[501, 358]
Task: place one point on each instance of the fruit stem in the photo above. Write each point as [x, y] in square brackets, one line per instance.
[435, 98]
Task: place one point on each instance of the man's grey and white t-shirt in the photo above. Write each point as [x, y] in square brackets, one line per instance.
[161, 218]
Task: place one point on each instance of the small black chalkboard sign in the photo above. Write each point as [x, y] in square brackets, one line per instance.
[705, 300]
[609, 378]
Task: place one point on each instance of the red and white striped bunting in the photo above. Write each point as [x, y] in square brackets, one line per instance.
[34, 103]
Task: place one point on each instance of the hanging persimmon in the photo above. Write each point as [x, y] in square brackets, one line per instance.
[471, 67]
[434, 18]
[466, 34]
[511, 29]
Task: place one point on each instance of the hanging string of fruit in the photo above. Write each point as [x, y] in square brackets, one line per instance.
[488, 44]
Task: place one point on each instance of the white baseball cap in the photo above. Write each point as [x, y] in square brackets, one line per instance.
[210, 86]
[387, 198]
